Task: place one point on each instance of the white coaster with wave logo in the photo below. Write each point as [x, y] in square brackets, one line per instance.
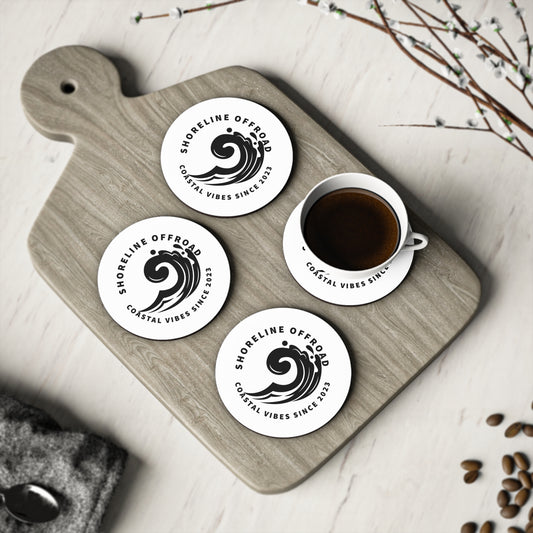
[324, 286]
[226, 156]
[163, 278]
[283, 372]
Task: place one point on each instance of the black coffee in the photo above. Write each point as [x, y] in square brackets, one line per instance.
[352, 229]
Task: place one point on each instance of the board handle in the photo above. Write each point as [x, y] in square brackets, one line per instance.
[66, 88]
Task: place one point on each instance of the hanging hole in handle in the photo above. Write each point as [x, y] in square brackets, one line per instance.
[68, 86]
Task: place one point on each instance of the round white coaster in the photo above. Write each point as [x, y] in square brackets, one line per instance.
[226, 156]
[163, 278]
[283, 372]
[326, 287]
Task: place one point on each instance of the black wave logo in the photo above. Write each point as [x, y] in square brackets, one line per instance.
[159, 267]
[280, 361]
[251, 152]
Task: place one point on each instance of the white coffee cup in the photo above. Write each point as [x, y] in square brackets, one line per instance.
[352, 180]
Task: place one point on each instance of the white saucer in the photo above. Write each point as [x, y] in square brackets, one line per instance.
[333, 290]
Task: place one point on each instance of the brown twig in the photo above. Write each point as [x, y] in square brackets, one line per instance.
[527, 41]
[154, 16]
[211, 6]
[524, 27]
[504, 40]
[192, 10]
[464, 128]
[434, 126]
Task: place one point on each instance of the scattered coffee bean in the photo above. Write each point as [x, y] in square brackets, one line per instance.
[514, 530]
[469, 527]
[529, 527]
[520, 460]
[525, 478]
[487, 527]
[495, 419]
[513, 430]
[471, 476]
[503, 498]
[528, 429]
[510, 483]
[470, 464]
[521, 498]
[510, 511]
[530, 514]
[507, 464]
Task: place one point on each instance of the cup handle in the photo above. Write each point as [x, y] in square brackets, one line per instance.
[423, 241]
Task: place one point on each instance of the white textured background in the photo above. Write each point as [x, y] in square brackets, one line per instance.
[401, 473]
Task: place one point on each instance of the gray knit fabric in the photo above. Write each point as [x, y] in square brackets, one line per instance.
[80, 469]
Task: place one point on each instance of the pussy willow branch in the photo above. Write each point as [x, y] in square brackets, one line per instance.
[486, 48]
[507, 113]
[527, 41]
[482, 115]
[211, 6]
[477, 99]
[493, 103]
[445, 127]
[380, 27]
[194, 9]
[468, 36]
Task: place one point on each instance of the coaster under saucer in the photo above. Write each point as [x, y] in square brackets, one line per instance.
[163, 278]
[283, 372]
[339, 291]
[226, 156]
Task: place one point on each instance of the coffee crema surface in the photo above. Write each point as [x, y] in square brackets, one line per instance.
[352, 229]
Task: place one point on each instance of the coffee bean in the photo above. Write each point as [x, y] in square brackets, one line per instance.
[528, 429]
[521, 498]
[470, 464]
[530, 514]
[510, 483]
[495, 419]
[507, 464]
[529, 527]
[471, 476]
[521, 461]
[503, 498]
[525, 478]
[510, 511]
[487, 527]
[514, 530]
[469, 527]
[513, 430]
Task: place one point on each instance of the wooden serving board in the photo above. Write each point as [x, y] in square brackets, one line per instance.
[114, 179]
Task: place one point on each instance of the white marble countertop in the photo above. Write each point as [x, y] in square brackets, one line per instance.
[401, 473]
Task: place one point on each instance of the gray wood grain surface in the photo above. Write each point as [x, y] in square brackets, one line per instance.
[113, 179]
